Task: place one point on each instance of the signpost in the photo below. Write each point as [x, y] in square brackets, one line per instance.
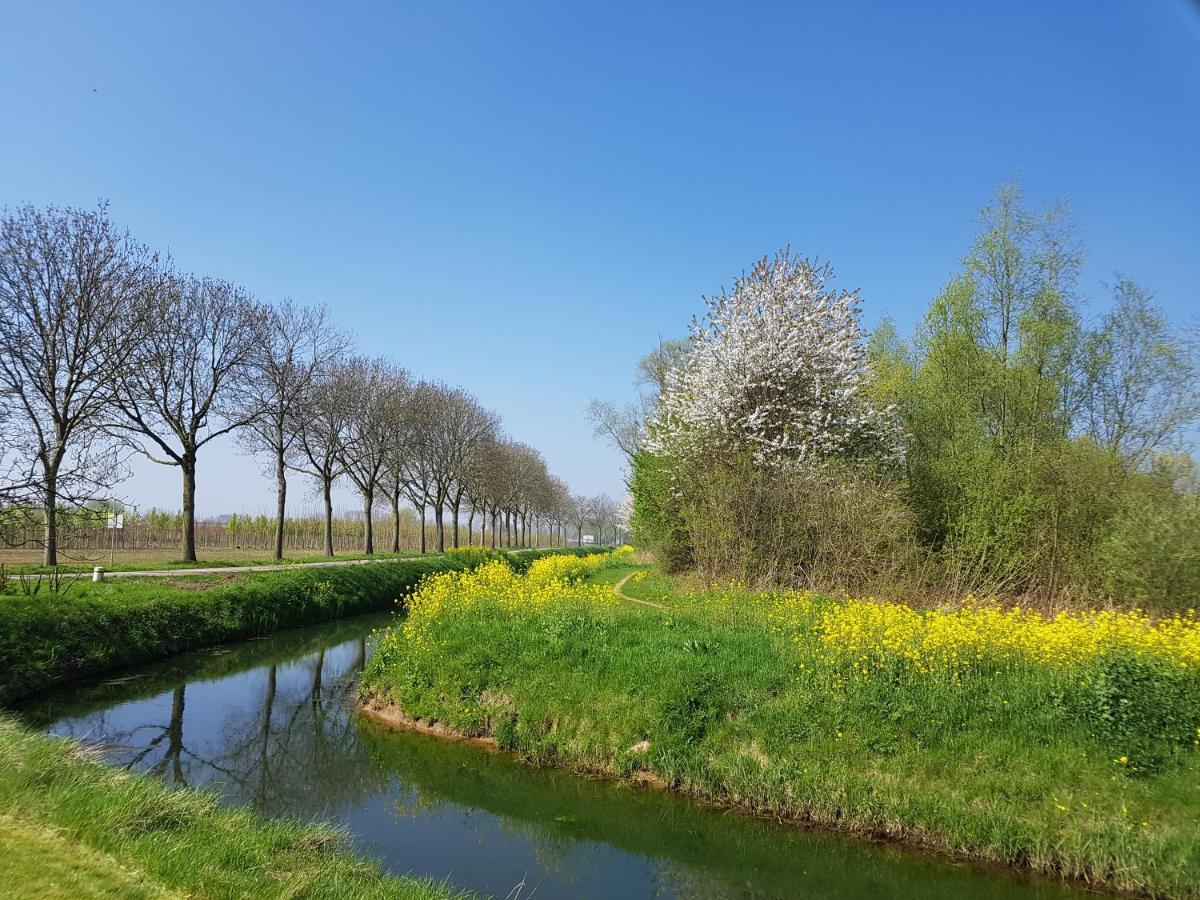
[116, 521]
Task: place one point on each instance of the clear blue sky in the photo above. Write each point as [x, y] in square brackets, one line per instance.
[520, 197]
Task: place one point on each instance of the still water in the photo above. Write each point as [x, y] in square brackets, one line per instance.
[270, 723]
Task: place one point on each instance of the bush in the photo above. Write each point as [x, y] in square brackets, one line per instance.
[832, 527]
[657, 520]
[1149, 552]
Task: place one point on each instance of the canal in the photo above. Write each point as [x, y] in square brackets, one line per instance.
[270, 723]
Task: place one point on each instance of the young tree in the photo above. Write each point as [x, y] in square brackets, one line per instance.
[180, 392]
[1021, 272]
[1141, 380]
[72, 292]
[297, 345]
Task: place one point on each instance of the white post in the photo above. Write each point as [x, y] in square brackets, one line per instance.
[98, 573]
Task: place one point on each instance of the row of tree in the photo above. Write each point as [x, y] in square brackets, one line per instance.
[106, 349]
[1011, 445]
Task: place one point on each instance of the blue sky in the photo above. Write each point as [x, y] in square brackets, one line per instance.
[520, 198]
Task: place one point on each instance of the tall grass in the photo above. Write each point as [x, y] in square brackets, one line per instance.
[1066, 746]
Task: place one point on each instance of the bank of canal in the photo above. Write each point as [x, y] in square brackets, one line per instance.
[270, 723]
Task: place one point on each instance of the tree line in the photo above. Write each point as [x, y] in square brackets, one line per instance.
[1011, 445]
[106, 349]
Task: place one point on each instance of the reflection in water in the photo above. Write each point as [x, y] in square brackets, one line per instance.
[270, 723]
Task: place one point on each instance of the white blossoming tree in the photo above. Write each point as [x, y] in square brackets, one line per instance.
[777, 369]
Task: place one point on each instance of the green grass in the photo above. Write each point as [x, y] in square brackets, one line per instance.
[46, 638]
[71, 827]
[134, 562]
[150, 561]
[1015, 765]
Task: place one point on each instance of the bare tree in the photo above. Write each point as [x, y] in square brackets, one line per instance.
[407, 443]
[579, 515]
[322, 419]
[374, 387]
[297, 345]
[558, 507]
[603, 510]
[485, 483]
[180, 391]
[458, 430]
[623, 426]
[72, 288]
[412, 461]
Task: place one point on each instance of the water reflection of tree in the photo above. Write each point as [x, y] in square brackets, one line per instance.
[285, 744]
[298, 751]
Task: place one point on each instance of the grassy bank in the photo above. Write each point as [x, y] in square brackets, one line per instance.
[49, 638]
[1066, 746]
[18, 562]
[73, 827]
[22, 562]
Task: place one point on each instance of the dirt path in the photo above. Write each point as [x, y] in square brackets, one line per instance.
[624, 596]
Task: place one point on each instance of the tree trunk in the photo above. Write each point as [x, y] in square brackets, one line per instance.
[50, 510]
[280, 503]
[471, 529]
[421, 524]
[369, 529]
[327, 490]
[454, 522]
[188, 465]
[493, 528]
[439, 517]
[396, 522]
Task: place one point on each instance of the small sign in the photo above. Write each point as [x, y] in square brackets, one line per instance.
[116, 520]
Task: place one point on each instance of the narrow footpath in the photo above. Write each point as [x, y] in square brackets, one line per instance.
[617, 589]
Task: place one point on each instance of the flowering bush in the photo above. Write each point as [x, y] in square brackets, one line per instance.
[777, 367]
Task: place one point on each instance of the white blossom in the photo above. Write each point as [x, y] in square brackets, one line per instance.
[777, 367]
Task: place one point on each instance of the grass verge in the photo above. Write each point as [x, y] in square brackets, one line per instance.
[1068, 747]
[46, 639]
[144, 561]
[73, 827]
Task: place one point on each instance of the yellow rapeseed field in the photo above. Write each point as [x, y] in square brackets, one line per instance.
[551, 580]
[871, 634]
